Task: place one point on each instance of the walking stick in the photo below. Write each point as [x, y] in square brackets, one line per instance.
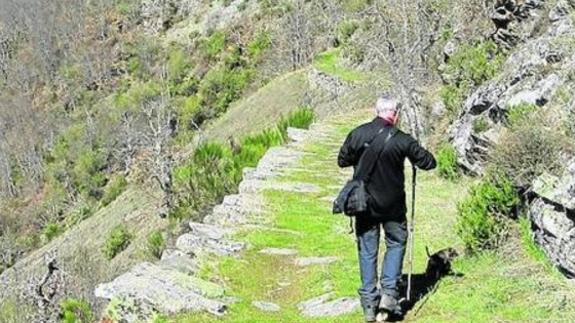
[411, 225]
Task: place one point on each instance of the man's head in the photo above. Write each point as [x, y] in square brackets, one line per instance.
[387, 107]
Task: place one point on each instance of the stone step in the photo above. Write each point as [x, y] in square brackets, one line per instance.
[198, 242]
[323, 306]
[159, 289]
[256, 186]
[237, 209]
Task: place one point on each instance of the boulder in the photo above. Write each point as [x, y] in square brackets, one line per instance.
[552, 214]
[154, 288]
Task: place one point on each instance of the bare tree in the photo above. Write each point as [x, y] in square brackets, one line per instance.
[160, 120]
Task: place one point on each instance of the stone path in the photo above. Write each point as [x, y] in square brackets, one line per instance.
[171, 286]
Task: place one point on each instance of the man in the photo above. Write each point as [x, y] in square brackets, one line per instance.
[387, 206]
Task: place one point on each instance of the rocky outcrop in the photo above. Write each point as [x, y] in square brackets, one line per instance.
[535, 70]
[552, 214]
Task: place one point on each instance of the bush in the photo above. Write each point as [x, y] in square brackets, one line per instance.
[301, 118]
[51, 231]
[447, 162]
[87, 172]
[258, 45]
[212, 46]
[475, 64]
[533, 145]
[517, 114]
[156, 244]
[480, 125]
[221, 86]
[452, 96]
[117, 241]
[469, 67]
[115, 187]
[76, 311]
[346, 29]
[178, 64]
[481, 215]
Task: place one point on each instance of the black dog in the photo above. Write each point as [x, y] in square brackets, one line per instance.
[439, 263]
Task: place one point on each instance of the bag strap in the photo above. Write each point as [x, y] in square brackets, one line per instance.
[367, 162]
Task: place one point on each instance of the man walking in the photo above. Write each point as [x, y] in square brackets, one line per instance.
[387, 206]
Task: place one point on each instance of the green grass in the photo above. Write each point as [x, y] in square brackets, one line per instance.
[504, 285]
[329, 63]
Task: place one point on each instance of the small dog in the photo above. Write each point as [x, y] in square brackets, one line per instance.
[439, 263]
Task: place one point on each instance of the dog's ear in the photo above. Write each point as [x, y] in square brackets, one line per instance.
[453, 253]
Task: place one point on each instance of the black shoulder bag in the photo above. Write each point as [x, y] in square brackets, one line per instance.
[353, 199]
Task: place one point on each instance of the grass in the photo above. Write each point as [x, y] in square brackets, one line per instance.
[330, 63]
[504, 285]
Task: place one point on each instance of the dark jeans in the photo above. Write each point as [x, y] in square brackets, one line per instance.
[368, 232]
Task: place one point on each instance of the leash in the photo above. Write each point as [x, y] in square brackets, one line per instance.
[411, 225]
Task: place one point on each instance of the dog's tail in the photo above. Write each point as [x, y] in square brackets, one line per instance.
[427, 251]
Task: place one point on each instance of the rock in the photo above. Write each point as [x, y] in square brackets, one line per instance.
[178, 260]
[279, 252]
[266, 306]
[255, 186]
[310, 261]
[157, 289]
[195, 244]
[237, 209]
[533, 72]
[322, 307]
[552, 214]
[296, 134]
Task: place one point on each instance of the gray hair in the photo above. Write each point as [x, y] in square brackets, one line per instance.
[386, 103]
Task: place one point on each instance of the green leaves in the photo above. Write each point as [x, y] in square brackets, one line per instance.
[480, 224]
[117, 241]
[447, 162]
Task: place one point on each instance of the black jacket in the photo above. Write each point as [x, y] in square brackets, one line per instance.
[387, 182]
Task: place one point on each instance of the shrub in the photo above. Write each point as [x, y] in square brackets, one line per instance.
[117, 241]
[481, 215]
[452, 96]
[480, 125]
[517, 114]
[156, 244]
[346, 29]
[532, 146]
[221, 86]
[258, 45]
[51, 231]
[475, 63]
[76, 311]
[87, 172]
[178, 64]
[470, 66]
[447, 162]
[301, 118]
[115, 187]
[211, 47]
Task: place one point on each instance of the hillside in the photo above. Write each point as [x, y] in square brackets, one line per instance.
[150, 150]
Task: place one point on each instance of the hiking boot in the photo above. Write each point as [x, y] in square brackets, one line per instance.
[370, 313]
[388, 303]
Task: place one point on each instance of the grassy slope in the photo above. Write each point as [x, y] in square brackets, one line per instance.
[255, 112]
[81, 246]
[508, 285]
